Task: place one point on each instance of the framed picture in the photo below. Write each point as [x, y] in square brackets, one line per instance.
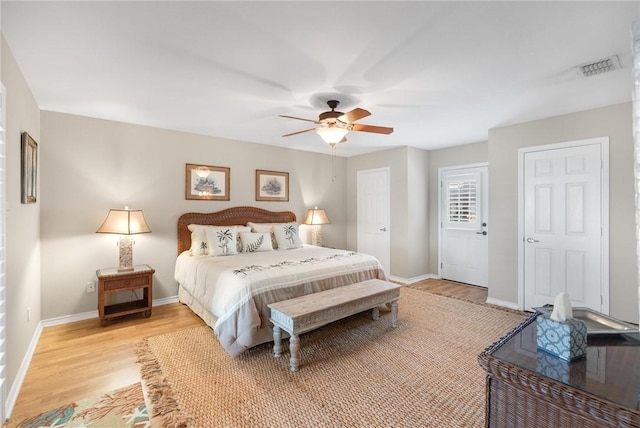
[272, 186]
[205, 182]
[29, 170]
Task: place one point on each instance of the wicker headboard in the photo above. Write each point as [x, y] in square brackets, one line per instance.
[228, 217]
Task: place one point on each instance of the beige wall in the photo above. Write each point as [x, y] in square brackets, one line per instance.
[23, 221]
[91, 165]
[417, 244]
[409, 205]
[612, 121]
[451, 156]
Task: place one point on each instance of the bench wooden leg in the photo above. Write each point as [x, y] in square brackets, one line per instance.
[277, 341]
[376, 313]
[394, 313]
[294, 346]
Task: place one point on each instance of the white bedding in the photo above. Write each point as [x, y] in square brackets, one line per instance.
[235, 290]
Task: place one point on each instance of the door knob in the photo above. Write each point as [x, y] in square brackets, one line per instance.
[484, 232]
[531, 240]
[384, 229]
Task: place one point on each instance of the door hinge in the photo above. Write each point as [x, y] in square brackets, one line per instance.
[441, 266]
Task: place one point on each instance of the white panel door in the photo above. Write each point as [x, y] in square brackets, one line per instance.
[563, 226]
[464, 219]
[373, 215]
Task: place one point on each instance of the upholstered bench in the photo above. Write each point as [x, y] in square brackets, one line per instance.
[303, 314]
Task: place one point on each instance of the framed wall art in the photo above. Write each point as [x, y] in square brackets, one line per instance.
[205, 182]
[272, 186]
[29, 169]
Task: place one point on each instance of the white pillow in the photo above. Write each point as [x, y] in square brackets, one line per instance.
[265, 227]
[222, 240]
[287, 236]
[260, 227]
[239, 230]
[199, 244]
[254, 242]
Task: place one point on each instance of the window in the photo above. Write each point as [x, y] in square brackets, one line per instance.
[3, 238]
[463, 201]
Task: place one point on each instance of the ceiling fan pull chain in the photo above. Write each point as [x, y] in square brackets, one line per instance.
[333, 162]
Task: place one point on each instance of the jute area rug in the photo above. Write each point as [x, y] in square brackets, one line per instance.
[353, 373]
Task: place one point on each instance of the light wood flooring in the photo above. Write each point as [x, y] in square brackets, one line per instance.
[83, 359]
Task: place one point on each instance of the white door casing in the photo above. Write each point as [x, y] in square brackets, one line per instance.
[464, 224]
[563, 224]
[373, 217]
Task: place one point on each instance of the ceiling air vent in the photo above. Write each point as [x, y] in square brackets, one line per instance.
[599, 67]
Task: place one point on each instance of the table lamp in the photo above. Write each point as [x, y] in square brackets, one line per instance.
[316, 217]
[124, 222]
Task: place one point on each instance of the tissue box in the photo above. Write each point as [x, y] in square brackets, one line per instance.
[566, 340]
[572, 373]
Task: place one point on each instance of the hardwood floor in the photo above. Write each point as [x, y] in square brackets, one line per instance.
[83, 359]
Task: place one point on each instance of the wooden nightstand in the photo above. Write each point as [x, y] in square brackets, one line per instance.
[112, 281]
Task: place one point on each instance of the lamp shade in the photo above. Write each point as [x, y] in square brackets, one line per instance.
[124, 222]
[316, 216]
[332, 134]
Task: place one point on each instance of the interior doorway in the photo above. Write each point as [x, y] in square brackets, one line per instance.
[373, 228]
[563, 224]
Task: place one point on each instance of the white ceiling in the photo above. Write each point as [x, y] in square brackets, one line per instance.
[440, 73]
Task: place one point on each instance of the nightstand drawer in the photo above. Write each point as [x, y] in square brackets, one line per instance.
[119, 284]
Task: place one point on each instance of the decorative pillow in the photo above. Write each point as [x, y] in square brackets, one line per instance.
[199, 243]
[287, 236]
[265, 227]
[222, 240]
[239, 230]
[254, 242]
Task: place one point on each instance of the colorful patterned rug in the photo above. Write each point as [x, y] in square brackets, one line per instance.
[123, 407]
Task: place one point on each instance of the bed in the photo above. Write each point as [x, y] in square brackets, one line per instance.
[231, 292]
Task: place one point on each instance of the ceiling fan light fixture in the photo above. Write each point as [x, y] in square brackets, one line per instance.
[332, 134]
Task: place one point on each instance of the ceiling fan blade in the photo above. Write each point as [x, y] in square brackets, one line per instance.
[299, 132]
[371, 128]
[298, 118]
[353, 115]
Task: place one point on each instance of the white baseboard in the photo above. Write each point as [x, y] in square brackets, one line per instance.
[409, 281]
[12, 397]
[165, 301]
[503, 303]
[66, 319]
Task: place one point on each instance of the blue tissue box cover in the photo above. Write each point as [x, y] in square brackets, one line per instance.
[566, 340]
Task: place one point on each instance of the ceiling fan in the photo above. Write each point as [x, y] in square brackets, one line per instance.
[335, 125]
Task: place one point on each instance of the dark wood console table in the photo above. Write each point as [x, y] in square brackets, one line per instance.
[530, 388]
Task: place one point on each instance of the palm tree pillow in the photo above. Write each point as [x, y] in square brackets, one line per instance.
[287, 236]
[222, 241]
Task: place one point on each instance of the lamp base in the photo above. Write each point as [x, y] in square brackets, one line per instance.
[125, 257]
[316, 236]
